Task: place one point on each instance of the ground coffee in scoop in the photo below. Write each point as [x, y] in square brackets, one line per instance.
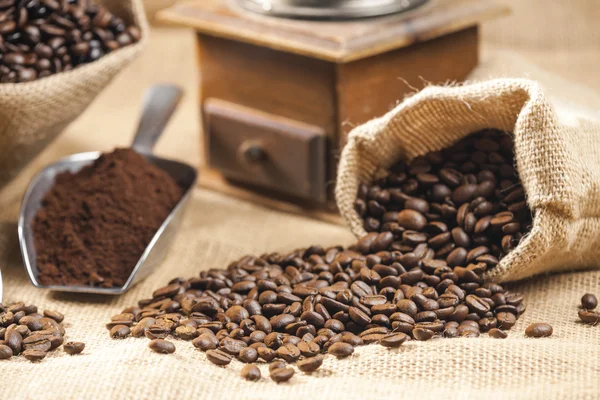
[94, 225]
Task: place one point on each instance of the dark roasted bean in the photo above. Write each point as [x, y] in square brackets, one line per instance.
[161, 346]
[251, 373]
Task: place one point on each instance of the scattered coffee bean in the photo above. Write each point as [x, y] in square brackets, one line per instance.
[276, 364]
[205, 342]
[248, 355]
[310, 364]
[589, 302]
[497, 333]
[119, 332]
[590, 317]
[5, 352]
[73, 348]
[538, 330]
[55, 315]
[161, 346]
[218, 357]
[34, 355]
[394, 339]
[422, 334]
[282, 374]
[341, 349]
[251, 372]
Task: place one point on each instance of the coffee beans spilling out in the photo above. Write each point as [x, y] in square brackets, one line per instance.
[24, 331]
[39, 38]
[588, 313]
[463, 207]
[288, 308]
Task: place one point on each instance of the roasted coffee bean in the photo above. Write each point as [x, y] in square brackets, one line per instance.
[161, 346]
[34, 355]
[251, 373]
[73, 348]
[205, 342]
[589, 301]
[288, 352]
[120, 332]
[5, 352]
[218, 357]
[232, 346]
[497, 333]
[341, 349]
[538, 330]
[506, 320]
[310, 364]
[394, 339]
[266, 353]
[282, 374]
[590, 317]
[55, 315]
[422, 334]
[248, 355]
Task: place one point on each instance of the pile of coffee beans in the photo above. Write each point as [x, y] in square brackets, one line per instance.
[588, 313]
[23, 331]
[465, 204]
[39, 38]
[294, 307]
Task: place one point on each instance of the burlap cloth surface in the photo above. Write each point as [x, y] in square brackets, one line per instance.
[216, 230]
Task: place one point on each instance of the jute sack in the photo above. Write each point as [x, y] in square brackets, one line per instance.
[557, 151]
[32, 114]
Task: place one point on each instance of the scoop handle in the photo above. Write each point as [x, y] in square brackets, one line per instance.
[160, 101]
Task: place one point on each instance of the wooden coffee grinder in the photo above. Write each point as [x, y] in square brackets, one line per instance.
[284, 81]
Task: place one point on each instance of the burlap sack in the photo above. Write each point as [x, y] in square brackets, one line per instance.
[32, 114]
[557, 150]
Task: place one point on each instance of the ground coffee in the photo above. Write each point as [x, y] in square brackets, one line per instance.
[94, 225]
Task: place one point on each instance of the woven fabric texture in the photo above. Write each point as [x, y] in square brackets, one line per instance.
[32, 114]
[217, 229]
[557, 152]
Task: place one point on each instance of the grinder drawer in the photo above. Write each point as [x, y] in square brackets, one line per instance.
[262, 149]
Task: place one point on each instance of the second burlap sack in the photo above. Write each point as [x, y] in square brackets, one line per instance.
[557, 152]
[32, 114]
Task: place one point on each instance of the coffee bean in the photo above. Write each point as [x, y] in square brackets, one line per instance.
[73, 348]
[497, 333]
[589, 301]
[538, 330]
[411, 219]
[590, 317]
[251, 373]
[161, 346]
[55, 315]
[310, 364]
[422, 334]
[120, 332]
[276, 365]
[506, 320]
[34, 355]
[248, 355]
[282, 374]
[5, 352]
[341, 349]
[267, 354]
[218, 357]
[205, 342]
[288, 352]
[359, 316]
[394, 339]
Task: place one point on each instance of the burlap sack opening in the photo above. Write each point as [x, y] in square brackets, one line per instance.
[32, 114]
[557, 155]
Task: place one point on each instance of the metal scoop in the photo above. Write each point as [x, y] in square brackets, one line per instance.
[160, 103]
